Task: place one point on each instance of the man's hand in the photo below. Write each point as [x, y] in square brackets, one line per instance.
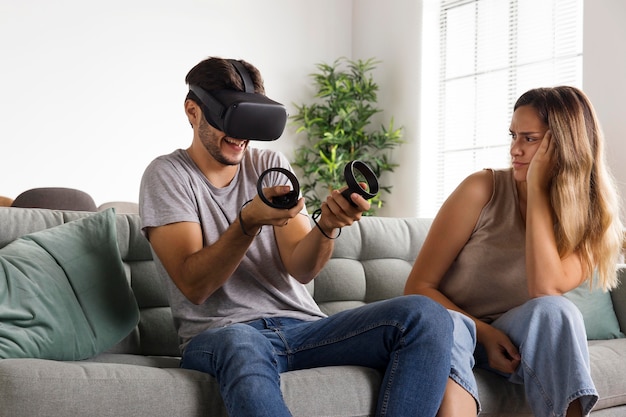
[257, 214]
[337, 212]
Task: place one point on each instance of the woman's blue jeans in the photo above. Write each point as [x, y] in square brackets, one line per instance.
[409, 338]
[549, 333]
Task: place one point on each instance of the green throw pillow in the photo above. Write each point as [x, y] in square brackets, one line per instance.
[596, 307]
[63, 292]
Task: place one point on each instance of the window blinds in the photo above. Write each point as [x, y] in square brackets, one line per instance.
[490, 52]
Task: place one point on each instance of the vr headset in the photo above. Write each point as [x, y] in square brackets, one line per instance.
[241, 114]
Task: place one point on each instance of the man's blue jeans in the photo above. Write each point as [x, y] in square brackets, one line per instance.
[409, 338]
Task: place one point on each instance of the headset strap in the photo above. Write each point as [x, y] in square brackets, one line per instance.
[245, 76]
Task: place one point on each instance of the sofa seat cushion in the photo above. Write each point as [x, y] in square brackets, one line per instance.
[141, 360]
[352, 394]
[63, 292]
[499, 397]
[608, 367]
[83, 388]
[350, 391]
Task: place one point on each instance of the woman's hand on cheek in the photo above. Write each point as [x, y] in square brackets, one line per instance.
[541, 167]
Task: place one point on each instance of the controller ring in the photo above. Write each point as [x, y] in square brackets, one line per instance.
[286, 201]
[353, 185]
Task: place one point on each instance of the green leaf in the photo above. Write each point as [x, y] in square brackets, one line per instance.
[337, 125]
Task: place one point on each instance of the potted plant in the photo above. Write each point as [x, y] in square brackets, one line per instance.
[338, 130]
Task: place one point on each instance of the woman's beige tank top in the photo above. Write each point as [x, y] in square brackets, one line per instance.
[488, 277]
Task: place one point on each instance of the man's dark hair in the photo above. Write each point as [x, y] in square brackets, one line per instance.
[219, 74]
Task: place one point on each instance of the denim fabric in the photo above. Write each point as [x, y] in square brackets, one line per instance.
[409, 338]
[462, 360]
[550, 335]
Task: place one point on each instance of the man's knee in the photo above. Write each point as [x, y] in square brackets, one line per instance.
[428, 309]
[428, 316]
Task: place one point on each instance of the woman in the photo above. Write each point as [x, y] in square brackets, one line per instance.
[507, 244]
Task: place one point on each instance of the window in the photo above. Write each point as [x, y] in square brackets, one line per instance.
[479, 57]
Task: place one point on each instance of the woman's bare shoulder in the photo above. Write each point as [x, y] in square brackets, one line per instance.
[477, 187]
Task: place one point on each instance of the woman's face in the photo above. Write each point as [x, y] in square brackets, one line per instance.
[527, 131]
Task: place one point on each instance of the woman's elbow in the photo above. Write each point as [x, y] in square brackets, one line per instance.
[543, 291]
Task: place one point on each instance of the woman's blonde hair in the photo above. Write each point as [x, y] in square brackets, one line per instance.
[583, 195]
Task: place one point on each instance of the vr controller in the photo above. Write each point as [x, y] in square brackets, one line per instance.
[286, 201]
[290, 199]
[353, 184]
[241, 114]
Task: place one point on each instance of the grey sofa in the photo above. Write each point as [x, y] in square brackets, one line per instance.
[139, 376]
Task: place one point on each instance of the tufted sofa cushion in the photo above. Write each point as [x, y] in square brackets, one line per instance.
[368, 264]
[364, 254]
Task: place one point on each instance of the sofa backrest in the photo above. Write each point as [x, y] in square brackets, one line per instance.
[371, 262]
[155, 333]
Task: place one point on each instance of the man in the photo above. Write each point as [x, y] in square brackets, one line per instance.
[236, 267]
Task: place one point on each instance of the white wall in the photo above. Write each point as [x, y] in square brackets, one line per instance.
[91, 92]
[604, 77]
[391, 32]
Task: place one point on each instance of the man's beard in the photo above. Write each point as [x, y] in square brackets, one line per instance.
[210, 140]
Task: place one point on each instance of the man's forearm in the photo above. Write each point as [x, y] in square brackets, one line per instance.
[312, 253]
[207, 270]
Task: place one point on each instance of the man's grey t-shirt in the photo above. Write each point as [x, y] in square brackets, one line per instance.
[174, 190]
